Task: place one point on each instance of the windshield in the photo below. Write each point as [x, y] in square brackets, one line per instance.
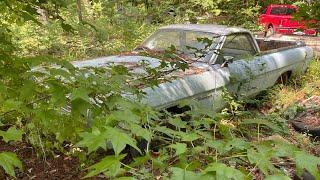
[193, 44]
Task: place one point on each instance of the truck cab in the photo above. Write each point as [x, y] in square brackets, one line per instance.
[278, 18]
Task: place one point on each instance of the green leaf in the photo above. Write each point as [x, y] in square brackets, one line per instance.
[225, 172]
[182, 174]
[224, 146]
[262, 159]
[126, 115]
[119, 140]
[106, 164]
[277, 177]
[8, 161]
[306, 161]
[125, 178]
[28, 17]
[177, 122]
[141, 132]
[67, 27]
[11, 104]
[140, 160]
[179, 147]
[80, 93]
[92, 140]
[27, 90]
[12, 134]
[80, 106]
[166, 131]
[189, 136]
[264, 122]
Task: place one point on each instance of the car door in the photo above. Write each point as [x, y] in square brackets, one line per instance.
[247, 71]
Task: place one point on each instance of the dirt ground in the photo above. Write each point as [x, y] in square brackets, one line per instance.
[58, 167]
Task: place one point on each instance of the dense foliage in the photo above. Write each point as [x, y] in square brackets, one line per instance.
[83, 113]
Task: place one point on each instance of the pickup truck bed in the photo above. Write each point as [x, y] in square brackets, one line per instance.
[273, 44]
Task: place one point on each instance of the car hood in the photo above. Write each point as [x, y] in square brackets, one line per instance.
[133, 63]
[124, 60]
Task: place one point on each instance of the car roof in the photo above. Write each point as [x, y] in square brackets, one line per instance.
[212, 28]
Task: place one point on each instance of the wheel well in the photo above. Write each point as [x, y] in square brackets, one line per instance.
[283, 78]
[289, 73]
[178, 110]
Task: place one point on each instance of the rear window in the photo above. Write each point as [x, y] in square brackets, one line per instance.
[282, 11]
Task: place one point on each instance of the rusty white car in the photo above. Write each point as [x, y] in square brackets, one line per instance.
[234, 60]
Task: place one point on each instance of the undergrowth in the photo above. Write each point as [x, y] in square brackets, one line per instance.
[70, 113]
[60, 109]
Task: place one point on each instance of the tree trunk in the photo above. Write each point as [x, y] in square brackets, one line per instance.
[246, 3]
[79, 11]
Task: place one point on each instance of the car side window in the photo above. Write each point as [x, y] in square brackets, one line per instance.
[290, 11]
[282, 11]
[238, 46]
[277, 11]
[165, 40]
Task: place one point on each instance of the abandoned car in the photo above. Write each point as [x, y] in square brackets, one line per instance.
[233, 60]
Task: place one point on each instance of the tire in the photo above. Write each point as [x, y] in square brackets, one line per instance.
[269, 32]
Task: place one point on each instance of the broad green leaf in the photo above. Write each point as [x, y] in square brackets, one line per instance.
[262, 160]
[179, 147]
[217, 144]
[236, 144]
[264, 122]
[182, 174]
[58, 93]
[225, 172]
[80, 93]
[140, 132]
[8, 161]
[140, 160]
[11, 104]
[106, 164]
[66, 64]
[27, 90]
[125, 178]
[80, 107]
[166, 131]
[12, 134]
[189, 136]
[277, 177]
[177, 122]
[114, 170]
[126, 115]
[306, 161]
[119, 140]
[26, 16]
[67, 27]
[92, 140]
[223, 146]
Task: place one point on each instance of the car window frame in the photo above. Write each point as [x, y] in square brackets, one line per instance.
[253, 44]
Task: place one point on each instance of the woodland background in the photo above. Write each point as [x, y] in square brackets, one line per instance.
[41, 138]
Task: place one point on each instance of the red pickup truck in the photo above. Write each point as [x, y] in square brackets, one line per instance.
[277, 18]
